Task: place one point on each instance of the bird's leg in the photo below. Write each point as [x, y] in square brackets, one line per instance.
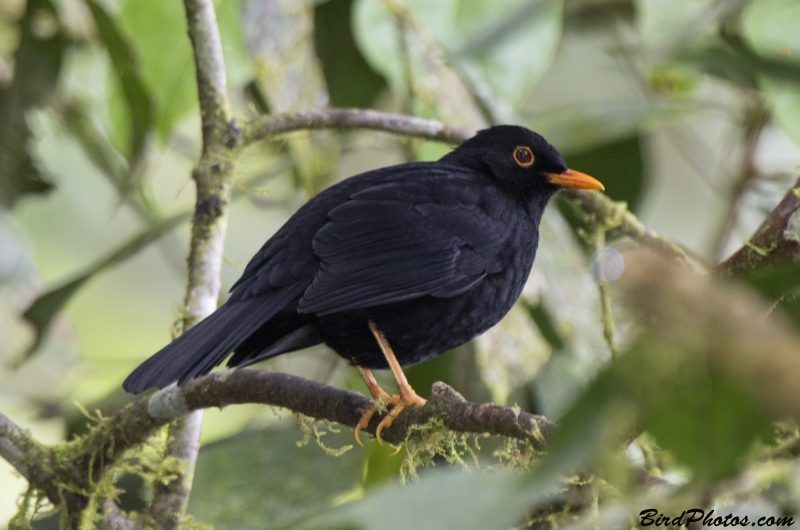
[407, 395]
[378, 394]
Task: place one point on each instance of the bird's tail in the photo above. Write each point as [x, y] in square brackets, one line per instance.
[199, 350]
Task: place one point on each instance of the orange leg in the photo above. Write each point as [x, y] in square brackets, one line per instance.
[378, 394]
[408, 397]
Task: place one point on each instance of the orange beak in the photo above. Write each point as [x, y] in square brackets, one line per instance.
[574, 179]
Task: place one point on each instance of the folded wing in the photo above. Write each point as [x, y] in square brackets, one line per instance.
[398, 241]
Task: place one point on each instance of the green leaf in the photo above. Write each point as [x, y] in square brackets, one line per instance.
[444, 500]
[77, 118]
[668, 22]
[580, 128]
[706, 419]
[238, 66]
[123, 60]
[351, 82]
[37, 65]
[46, 306]
[544, 321]
[770, 26]
[383, 465]
[709, 427]
[501, 59]
[263, 480]
[781, 284]
[423, 376]
[776, 282]
[708, 372]
[784, 100]
[735, 61]
[618, 165]
[158, 31]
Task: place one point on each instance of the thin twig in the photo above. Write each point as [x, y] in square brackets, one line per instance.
[269, 126]
[605, 294]
[615, 215]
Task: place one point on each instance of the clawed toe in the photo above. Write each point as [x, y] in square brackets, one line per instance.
[363, 422]
[404, 401]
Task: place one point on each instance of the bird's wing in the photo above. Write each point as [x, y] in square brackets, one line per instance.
[402, 240]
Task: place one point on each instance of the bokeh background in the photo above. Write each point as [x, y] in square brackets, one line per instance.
[687, 110]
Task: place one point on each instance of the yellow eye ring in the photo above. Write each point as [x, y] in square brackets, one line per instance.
[523, 156]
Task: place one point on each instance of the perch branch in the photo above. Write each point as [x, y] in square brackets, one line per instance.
[134, 424]
[71, 466]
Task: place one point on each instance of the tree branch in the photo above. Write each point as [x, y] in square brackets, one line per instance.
[776, 242]
[265, 127]
[114, 519]
[212, 85]
[615, 215]
[10, 447]
[63, 471]
[170, 500]
[36, 463]
[213, 177]
[134, 424]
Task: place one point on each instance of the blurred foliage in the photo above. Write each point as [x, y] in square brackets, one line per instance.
[656, 98]
[40, 50]
[233, 475]
[341, 60]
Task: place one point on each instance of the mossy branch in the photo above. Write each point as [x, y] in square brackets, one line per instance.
[776, 242]
[73, 465]
[134, 424]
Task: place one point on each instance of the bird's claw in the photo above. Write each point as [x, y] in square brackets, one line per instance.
[399, 403]
[405, 400]
[379, 403]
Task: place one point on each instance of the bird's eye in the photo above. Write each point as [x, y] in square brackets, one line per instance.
[523, 156]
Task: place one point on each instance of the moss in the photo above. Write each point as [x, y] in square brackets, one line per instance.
[426, 442]
[310, 428]
[79, 467]
[516, 454]
[32, 505]
[763, 252]
[792, 231]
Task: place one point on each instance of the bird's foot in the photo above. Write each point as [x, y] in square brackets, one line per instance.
[407, 398]
[378, 404]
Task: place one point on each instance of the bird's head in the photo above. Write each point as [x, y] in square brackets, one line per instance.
[521, 160]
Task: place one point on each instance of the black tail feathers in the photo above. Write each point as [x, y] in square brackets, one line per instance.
[197, 351]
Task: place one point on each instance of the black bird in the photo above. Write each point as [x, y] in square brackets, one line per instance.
[425, 256]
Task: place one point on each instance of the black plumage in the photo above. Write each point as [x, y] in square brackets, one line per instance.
[433, 253]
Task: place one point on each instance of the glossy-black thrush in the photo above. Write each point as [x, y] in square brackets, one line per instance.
[389, 268]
